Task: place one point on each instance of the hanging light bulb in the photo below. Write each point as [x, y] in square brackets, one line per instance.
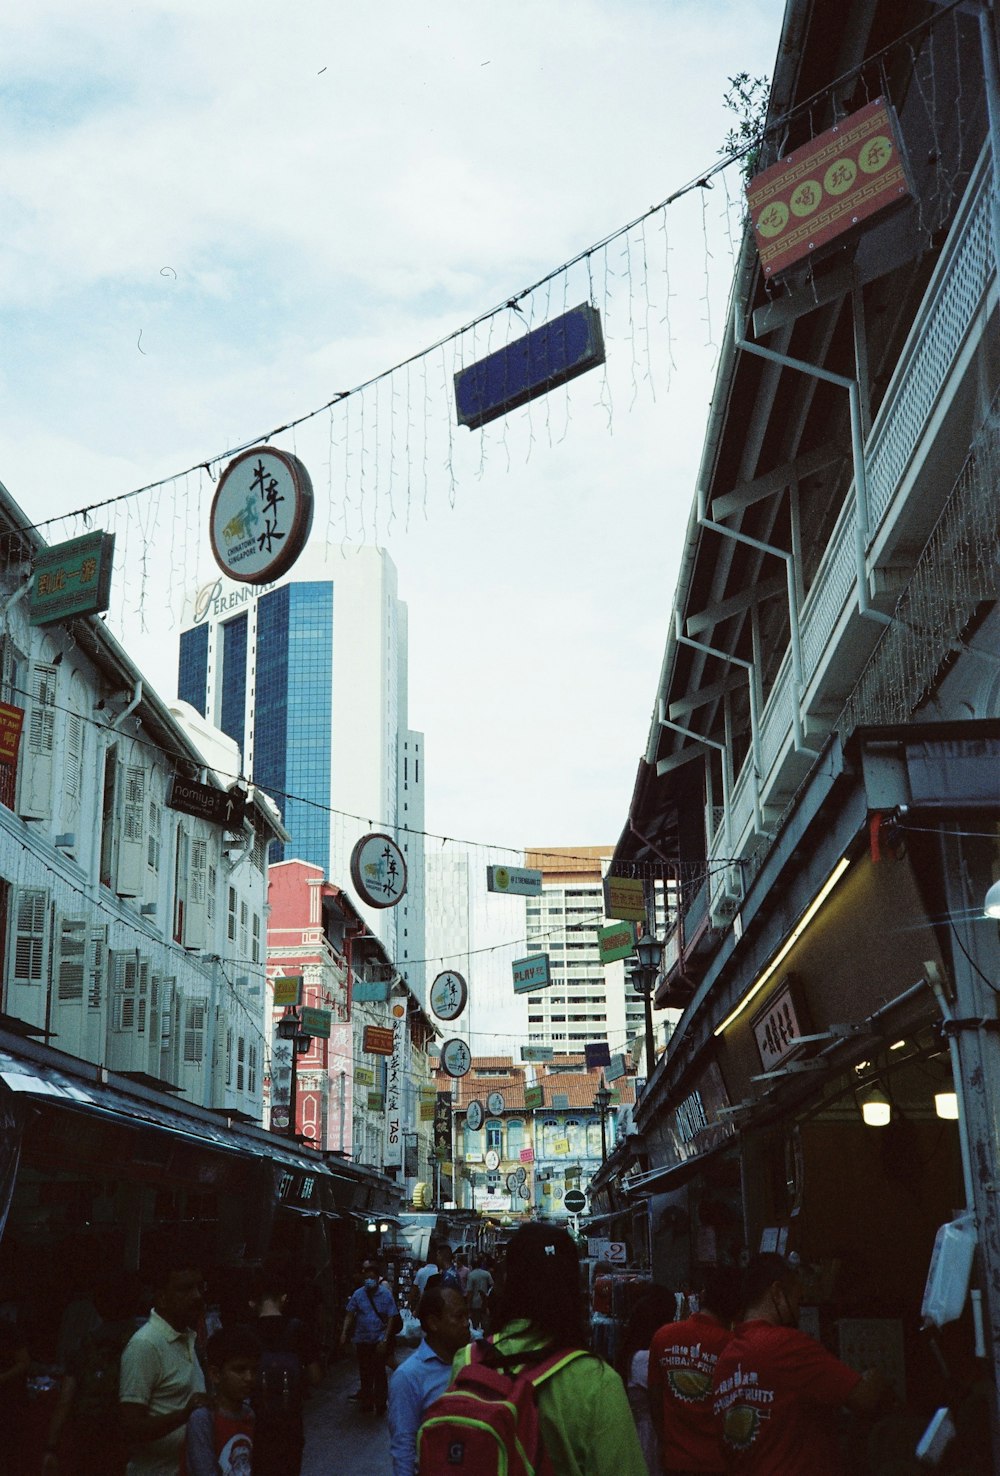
[946, 1105]
[876, 1109]
[991, 905]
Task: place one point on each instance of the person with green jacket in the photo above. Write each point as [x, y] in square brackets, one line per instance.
[583, 1410]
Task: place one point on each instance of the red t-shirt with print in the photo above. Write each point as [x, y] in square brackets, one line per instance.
[776, 1393]
[682, 1360]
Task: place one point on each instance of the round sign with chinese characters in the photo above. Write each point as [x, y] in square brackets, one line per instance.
[520, 1175]
[494, 1104]
[378, 870]
[474, 1116]
[512, 1184]
[456, 1058]
[492, 1160]
[261, 515]
[449, 995]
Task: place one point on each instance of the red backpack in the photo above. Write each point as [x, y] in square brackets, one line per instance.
[486, 1422]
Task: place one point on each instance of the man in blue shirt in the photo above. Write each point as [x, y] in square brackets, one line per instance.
[372, 1318]
[427, 1371]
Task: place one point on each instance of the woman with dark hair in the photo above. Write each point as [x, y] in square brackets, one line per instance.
[648, 1316]
[583, 1412]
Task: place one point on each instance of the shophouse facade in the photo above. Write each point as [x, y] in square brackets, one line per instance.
[820, 774]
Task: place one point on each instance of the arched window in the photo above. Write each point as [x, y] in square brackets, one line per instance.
[494, 1135]
[593, 1138]
[575, 1136]
[550, 1135]
[515, 1137]
[473, 1142]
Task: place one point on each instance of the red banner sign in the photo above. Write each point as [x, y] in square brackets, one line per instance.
[11, 723]
[830, 186]
[377, 1040]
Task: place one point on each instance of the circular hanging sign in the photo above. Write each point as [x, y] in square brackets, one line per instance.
[494, 1104]
[474, 1116]
[525, 1192]
[519, 1175]
[456, 1058]
[512, 1184]
[378, 870]
[449, 995]
[492, 1160]
[261, 515]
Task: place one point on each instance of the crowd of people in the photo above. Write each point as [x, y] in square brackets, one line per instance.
[504, 1364]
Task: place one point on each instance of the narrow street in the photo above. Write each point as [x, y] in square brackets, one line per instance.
[338, 1436]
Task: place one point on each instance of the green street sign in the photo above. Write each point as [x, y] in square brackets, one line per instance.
[71, 579]
[615, 942]
[315, 1022]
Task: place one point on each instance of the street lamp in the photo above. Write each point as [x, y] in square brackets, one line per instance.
[288, 1029]
[602, 1101]
[648, 954]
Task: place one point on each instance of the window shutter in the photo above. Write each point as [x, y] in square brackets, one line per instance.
[30, 919]
[73, 768]
[194, 1032]
[97, 983]
[71, 964]
[124, 980]
[132, 841]
[240, 1057]
[142, 998]
[36, 783]
[153, 837]
[196, 910]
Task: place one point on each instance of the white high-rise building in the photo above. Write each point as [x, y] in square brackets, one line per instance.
[309, 676]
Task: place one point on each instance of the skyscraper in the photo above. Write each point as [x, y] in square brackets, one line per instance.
[309, 676]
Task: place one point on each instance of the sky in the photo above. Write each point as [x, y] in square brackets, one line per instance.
[219, 217]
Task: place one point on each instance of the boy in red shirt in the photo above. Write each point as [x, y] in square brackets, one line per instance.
[777, 1389]
[682, 1359]
[219, 1439]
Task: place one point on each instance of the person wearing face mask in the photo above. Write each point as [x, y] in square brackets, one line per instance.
[777, 1390]
[371, 1320]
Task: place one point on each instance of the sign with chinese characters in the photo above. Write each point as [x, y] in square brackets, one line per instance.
[71, 579]
[378, 870]
[531, 973]
[449, 995]
[624, 898]
[377, 1040]
[529, 366]
[831, 185]
[456, 1057]
[537, 1053]
[225, 807]
[698, 1123]
[534, 1097]
[474, 1116]
[395, 1074]
[316, 1022]
[777, 1027]
[513, 880]
[287, 991]
[11, 724]
[560, 1147]
[364, 1076]
[282, 1052]
[261, 515]
[495, 1104]
[442, 1125]
[527, 1155]
[426, 1112]
[615, 942]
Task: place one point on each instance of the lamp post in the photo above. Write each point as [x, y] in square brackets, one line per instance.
[602, 1101]
[648, 953]
[288, 1029]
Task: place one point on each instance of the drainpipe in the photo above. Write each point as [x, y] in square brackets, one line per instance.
[8, 605]
[798, 737]
[861, 528]
[991, 71]
[127, 712]
[683, 640]
[726, 768]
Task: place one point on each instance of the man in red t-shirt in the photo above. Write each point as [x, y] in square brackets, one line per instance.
[682, 1359]
[777, 1389]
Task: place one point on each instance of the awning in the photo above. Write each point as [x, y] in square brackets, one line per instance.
[674, 1175]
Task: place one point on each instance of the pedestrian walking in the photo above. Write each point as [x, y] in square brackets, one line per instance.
[84, 1438]
[219, 1438]
[777, 1389]
[161, 1381]
[478, 1292]
[426, 1373]
[420, 1279]
[585, 1422]
[372, 1320]
[289, 1368]
[447, 1268]
[682, 1360]
[648, 1315]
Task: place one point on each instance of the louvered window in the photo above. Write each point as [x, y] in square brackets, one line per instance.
[240, 1062]
[194, 1032]
[42, 725]
[72, 960]
[231, 914]
[124, 983]
[213, 886]
[255, 947]
[30, 922]
[244, 929]
[252, 1069]
[199, 872]
[97, 980]
[73, 769]
[229, 1058]
[153, 838]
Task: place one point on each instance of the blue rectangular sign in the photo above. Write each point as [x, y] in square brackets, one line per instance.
[521, 371]
[531, 973]
[597, 1053]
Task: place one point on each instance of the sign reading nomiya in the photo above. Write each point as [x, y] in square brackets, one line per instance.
[226, 807]
[531, 973]
[71, 579]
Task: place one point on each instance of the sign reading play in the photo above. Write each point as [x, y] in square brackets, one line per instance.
[528, 367]
[531, 973]
[834, 183]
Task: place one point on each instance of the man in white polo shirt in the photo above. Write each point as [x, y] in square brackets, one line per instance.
[161, 1379]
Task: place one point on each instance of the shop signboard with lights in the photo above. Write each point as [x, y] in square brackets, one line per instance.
[778, 1026]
